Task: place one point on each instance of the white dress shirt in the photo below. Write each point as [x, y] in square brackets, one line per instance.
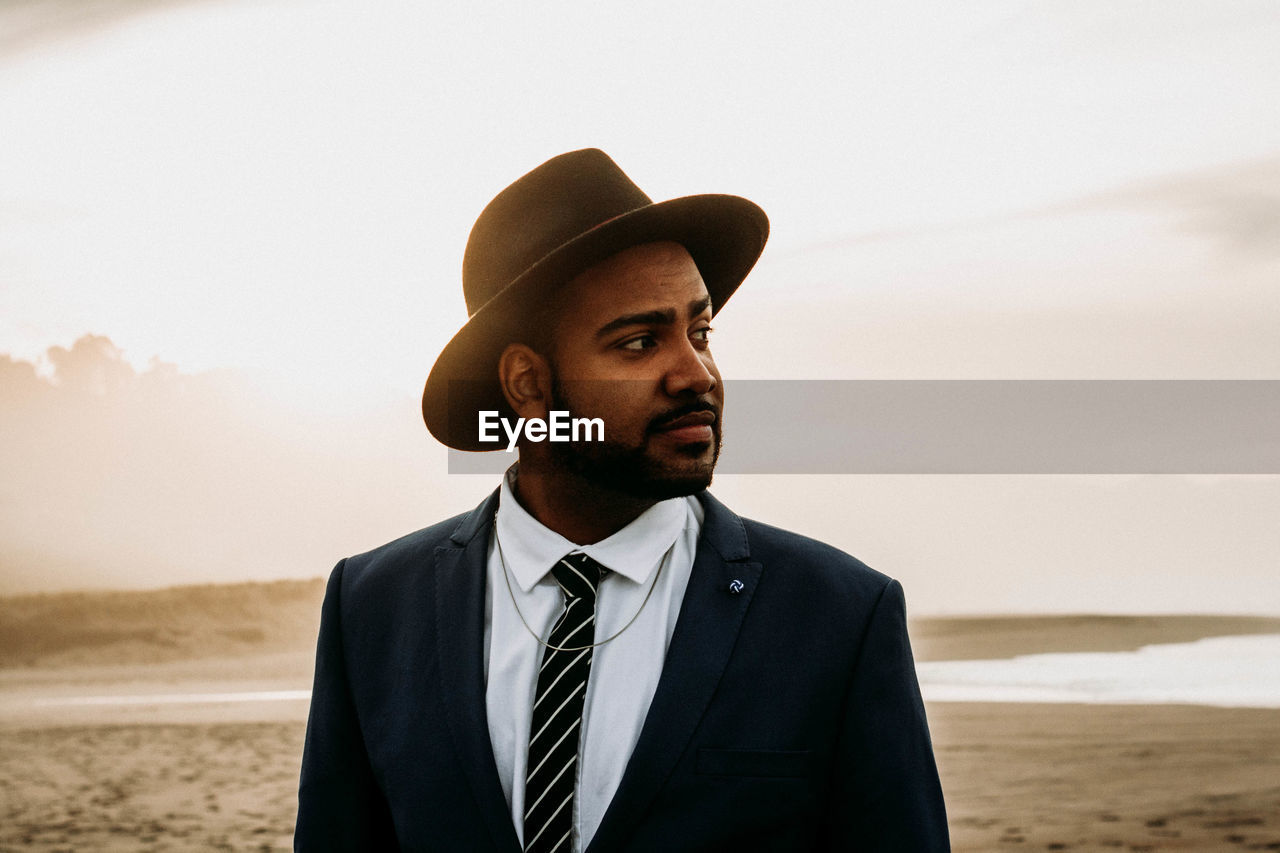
[656, 549]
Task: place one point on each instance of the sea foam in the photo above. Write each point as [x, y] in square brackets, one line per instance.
[1231, 672]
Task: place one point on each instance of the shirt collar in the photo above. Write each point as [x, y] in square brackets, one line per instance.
[529, 549]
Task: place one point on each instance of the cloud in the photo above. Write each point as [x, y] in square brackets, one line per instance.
[93, 365]
[1237, 205]
[31, 24]
[18, 380]
[117, 477]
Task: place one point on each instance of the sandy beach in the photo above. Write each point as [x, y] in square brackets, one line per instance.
[177, 728]
[1031, 777]
[1111, 777]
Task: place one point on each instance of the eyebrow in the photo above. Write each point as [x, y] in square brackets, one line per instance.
[666, 317]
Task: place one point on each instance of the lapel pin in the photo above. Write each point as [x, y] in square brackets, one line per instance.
[735, 586]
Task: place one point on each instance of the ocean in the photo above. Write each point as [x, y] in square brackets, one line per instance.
[1229, 672]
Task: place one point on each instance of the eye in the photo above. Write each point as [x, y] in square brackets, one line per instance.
[639, 343]
[703, 335]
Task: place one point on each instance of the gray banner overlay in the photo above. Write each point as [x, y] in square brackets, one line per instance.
[987, 427]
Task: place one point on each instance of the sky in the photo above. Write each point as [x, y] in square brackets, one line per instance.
[259, 210]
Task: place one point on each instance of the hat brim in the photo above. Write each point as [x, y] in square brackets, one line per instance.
[724, 234]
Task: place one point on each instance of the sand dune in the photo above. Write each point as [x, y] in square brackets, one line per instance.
[230, 620]
[983, 637]
[157, 626]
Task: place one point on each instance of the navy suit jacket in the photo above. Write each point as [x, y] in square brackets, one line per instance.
[787, 716]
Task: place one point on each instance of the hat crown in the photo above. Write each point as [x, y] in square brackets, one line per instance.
[558, 201]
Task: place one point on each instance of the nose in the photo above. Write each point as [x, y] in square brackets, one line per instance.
[692, 371]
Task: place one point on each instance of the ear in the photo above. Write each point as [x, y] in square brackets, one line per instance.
[525, 377]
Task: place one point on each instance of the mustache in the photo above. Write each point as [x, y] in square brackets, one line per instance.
[680, 411]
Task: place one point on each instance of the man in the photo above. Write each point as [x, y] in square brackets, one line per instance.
[601, 656]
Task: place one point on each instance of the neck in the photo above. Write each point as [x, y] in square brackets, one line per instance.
[577, 509]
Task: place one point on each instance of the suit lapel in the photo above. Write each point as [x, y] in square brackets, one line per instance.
[710, 618]
[459, 608]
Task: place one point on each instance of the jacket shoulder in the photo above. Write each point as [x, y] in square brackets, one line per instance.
[812, 562]
[412, 544]
[394, 562]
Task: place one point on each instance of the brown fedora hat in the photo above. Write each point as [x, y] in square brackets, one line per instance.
[566, 215]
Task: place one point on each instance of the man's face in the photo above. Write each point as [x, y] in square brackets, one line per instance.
[630, 347]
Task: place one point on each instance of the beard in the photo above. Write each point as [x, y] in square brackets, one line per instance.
[632, 469]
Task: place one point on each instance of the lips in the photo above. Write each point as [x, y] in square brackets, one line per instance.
[694, 426]
[703, 418]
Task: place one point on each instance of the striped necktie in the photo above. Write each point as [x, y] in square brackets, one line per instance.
[557, 709]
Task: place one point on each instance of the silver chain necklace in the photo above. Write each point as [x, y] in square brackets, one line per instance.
[506, 576]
